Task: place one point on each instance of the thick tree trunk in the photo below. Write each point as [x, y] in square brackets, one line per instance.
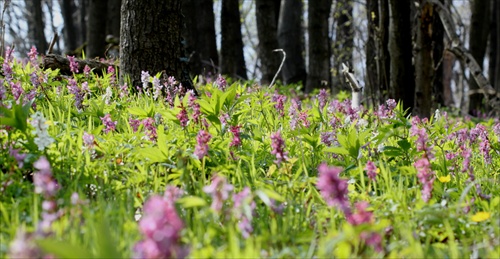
[232, 61]
[344, 42]
[384, 62]
[372, 60]
[494, 69]
[150, 40]
[290, 39]
[36, 25]
[70, 29]
[478, 39]
[437, 57]
[268, 41]
[96, 29]
[423, 61]
[402, 80]
[319, 45]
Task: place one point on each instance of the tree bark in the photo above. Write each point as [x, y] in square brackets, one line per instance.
[319, 45]
[344, 42]
[96, 32]
[479, 31]
[438, 57]
[384, 62]
[372, 60]
[83, 7]
[113, 18]
[70, 29]
[36, 25]
[402, 81]
[423, 61]
[232, 61]
[150, 40]
[290, 39]
[268, 41]
[494, 68]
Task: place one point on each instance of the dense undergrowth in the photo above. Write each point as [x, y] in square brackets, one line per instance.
[90, 170]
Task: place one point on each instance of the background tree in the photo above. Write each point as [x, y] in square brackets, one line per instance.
[113, 18]
[319, 45]
[344, 41]
[36, 25]
[372, 66]
[68, 10]
[96, 29]
[495, 47]
[232, 61]
[267, 14]
[402, 81]
[478, 40]
[384, 59]
[290, 39]
[438, 91]
[151, 40]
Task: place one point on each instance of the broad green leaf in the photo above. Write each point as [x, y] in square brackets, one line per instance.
[138, 112]
[154, 155]
[106, 244]
[191, 201]
[63, 249]
[337, 150]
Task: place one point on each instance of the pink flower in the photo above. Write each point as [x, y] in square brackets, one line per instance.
[279, 103]
[278, 148]
[333, 188]
[150, 128]
[86, 71]
[219, 190]
[362, 216]
[425, 177]
[371, 171]
[322, 98]
[236, 142]
[134, 124]
[73, 65]
[221, 82]
[182, 116]
[109, 123]
[372, 239]
[201, 148]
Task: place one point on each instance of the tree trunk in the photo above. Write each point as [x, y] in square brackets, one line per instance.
[319, 45]
[268, 41]
[437, 57]
[494, 68]
[70, 29]
[36, 25]
[190, 35]
[344, 42]
[384, 62]
[402, 81]
[96, 31]
[113, 18]
[290, 39]
[150, 40]
[232, 61]
[423, 61]
[371, 88]
[83, 7]
[478, 39]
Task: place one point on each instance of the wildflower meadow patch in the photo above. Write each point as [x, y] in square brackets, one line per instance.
[89, 169]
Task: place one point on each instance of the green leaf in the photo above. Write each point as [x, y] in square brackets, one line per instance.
[138, 112]
[392, 151]
[106, 244]
[337, 150]
[267, 193]
[191, 201]
[63, 249]
[153, 154]
[404, 144]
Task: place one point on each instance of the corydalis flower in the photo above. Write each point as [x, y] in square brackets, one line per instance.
[24, 246]
[322, 98]
[150, 128]
[242, 210]
[371, 171]
[361, 216]
[19, 157]
[42, 139]
[6, 66]
[109, 123]
[221, 82]
[333, 188]
[236, 142]
[279, 103]
[278, 148]
[219, 190]
[73, 65]
[77, 92]
[201, 148]
[182, 116]
[145, 80]
[425, 177]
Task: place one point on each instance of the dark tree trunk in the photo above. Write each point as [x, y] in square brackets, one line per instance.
[268, 41]
[384, 63]
[70, 29]
[150, 40]
[402, 80]
[423, 61]
[344, 42]
[478, 39]
[494, 67]
[319, 45]
[372, 60]
[437, 57]
[290, 39]
[190, 35]
[232, 61]
[113, 18]
[96, 29]
[83, 7]
[36, 25]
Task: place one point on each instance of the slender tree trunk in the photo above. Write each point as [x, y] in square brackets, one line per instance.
[113, 18]
[423, 61]
[479, 31]
[207, 45]
[319, 45]
[36, 25]
[96, 33]
[494, 68]
[190, 35]
[344, 42]
[290, 39]
[372, 63]
[437, 57]
[83, 7]
[268, 41]
[70, 29]
[384, 61]
[402, 80]
[150, 40]
[232, 61]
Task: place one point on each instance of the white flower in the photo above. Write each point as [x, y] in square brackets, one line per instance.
[107, 97]
[42, 139]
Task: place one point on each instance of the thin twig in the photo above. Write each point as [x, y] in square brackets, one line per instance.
[281, 65]
[52, 43]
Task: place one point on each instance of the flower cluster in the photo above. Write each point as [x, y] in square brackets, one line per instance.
[109, 123]
[89, 143]
[219, 190]
[371, 171]
[322, 98]
[149, 127]
[201, 148]
[243, 207]
[157, 87]
[24, 246]
[17, 156]
[145, 81]
[333, 188]
[278, 148]
[221, 82]
[195, 107]
[236, 142]
[73, 65]
[425, 177]
[46, 185]
[279, 101]
[77, 92]
[161, 228]
[42, 139]
[182, 116]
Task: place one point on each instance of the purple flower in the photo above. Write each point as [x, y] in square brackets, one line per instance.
[88, 140]
[362, 216]
[6, 66]
[201, 148]
[112, 79]
[221, 82]
[150, 128]
[24, 246]
[195, 107]
[77, 92]
[425, 177]
[182, 116]
[73, 65]
[278, 148]
[223, 118]
[17, 156]
[124, 90]
[86, 71]
[322, 98]
[243, 206]
[333, 188]
[327, 138]
[33, 54]
[145, 80]
[109, 123]
[391, 104]
[279, 103]
[371, 171]
[134, 124]
[44, 182]
[236, 142]
[422, 138]
[17, 90]
[219, 190]
[372, 239]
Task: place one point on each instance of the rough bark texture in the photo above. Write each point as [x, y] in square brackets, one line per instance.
[479, 31]
[344, 42]
[423, 61]
[268, 41]
[437, 58]
[232, 61]
[290, 39]
[96, 29]
[495, 47]
[150, 40]
[319, 45]
[384, 63]
[402, 80]
[372, 60]
[70, 29]
[36, 25]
